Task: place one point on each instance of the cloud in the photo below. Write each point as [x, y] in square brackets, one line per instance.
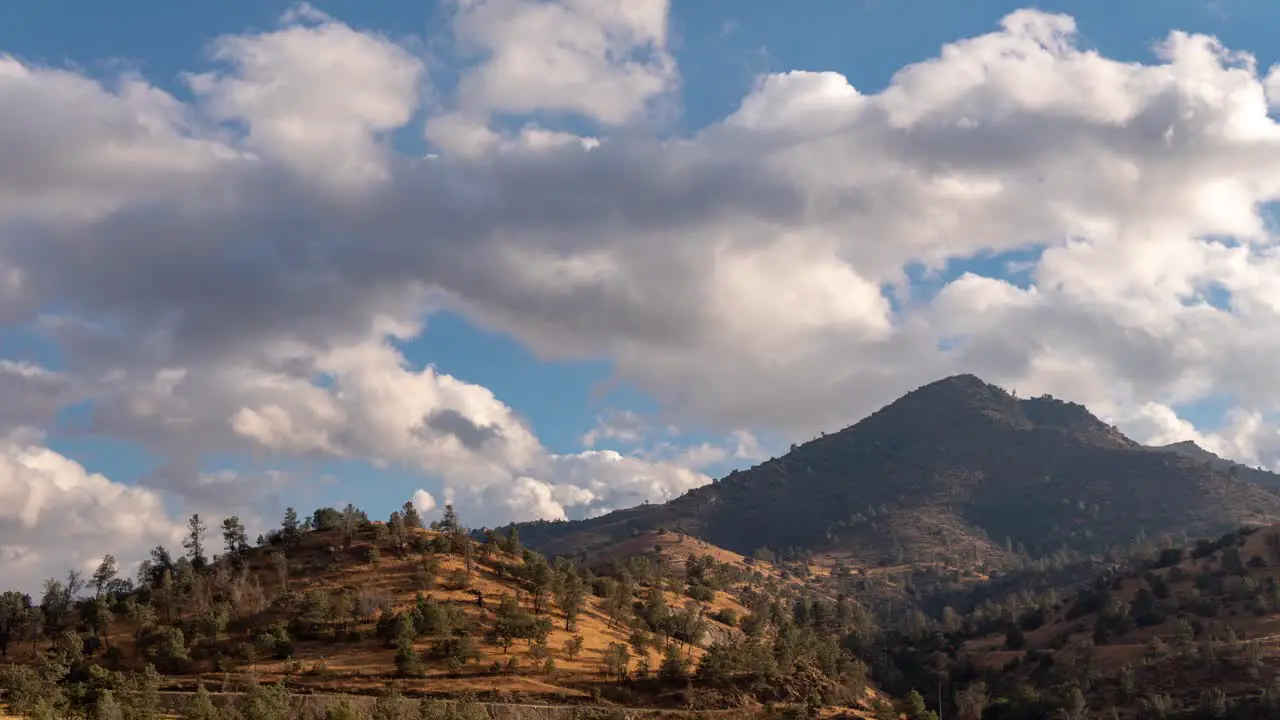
[591, 59]
[31, 395]
[594, 58]
[233, 274]
[55, 515]
[623, 426]
[452, 422]
[423, 501]
[315, 95]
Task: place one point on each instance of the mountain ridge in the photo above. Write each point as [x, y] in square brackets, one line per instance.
[955, 468]
[1258, 476]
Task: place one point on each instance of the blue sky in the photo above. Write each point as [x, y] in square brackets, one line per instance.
[720, 47]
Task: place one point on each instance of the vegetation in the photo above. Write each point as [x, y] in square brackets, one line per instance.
[424, 604]
[905, 608]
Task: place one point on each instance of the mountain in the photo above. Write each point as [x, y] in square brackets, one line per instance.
[1184, 621]
[956, 471]
[1188, 448]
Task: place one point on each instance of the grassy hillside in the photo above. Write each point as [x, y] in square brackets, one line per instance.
[439, 614]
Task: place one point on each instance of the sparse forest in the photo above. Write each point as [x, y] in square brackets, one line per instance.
[338, 602]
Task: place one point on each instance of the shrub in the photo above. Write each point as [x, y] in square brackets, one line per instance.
[727, 616]
[407, 662]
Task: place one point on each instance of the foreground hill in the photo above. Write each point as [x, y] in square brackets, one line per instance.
[359, 606]
[956, 471]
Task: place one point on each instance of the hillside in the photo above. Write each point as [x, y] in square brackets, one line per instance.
[958, 472]
[1188, 624]
[1257, 476]
[367, 605]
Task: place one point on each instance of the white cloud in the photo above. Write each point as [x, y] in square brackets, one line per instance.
[56, 516]
[216, 292]
[599, 59]
[423, 501]
[315, 95]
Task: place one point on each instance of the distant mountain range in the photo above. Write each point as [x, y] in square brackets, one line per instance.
[955, 470]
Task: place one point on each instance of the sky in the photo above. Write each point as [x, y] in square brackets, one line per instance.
[550, 258]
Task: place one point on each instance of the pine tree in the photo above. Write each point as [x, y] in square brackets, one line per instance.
[195, 542]
[290, 529]
[449, 521]
[412, 518]
[234, 538]
[202, 707]
[673, 665]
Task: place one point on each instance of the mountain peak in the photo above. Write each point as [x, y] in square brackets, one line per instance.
[943, 470]
[963, 380]
[1187, 447]
[957, 392]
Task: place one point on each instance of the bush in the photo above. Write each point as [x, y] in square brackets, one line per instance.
[701, 593]
[274, 643]
[423, 580]
[727, 616]
[407, 662]
[343, 710]
[459, 580]
[266, 703]
[1014, 639]
[673, 665]
[1169, 557]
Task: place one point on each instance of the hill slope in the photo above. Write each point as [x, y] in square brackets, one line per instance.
[1195, 619]
[1257, 476]
[354, 609]
[957, 469]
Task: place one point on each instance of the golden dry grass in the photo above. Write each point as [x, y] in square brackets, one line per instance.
[368, 663]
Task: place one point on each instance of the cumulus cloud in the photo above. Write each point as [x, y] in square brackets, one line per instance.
[315, 95]
[234, 274]
[599, 60]
[423, 501]
[55, 515]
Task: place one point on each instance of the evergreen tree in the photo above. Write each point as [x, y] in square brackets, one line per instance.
[14, 614]
[234, 539]
[290, 529]
[448, 523]
[194, 543]
[202, 707]
[412, 518]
